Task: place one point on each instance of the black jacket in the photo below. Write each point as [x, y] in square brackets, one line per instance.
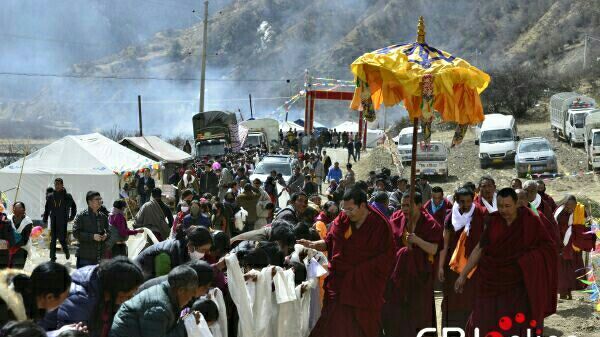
[86, 225]
[209, 183]
[141, 183]
[60, 208]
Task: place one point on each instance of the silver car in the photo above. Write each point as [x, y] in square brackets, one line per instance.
[535, 155]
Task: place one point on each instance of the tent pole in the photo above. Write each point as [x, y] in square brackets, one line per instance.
[20, 176]
[413, 174]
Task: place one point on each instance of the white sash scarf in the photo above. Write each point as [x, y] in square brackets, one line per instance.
[460, 221]
[491, 208]
[570, 229]
[537, 202]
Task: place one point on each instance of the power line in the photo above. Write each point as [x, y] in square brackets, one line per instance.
[138, 78]
[150, 101]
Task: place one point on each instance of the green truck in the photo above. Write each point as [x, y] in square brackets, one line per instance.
[215, 133]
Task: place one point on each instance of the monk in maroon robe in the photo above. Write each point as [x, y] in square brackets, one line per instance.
[465, 217]
[570, 267]
[487, 194]
[515, 259]
[530, 198]
[438, 206]
[361, 254]
[547, 198]
[410, 305]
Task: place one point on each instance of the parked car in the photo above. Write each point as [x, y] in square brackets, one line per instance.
[535, 155]
[281, 164]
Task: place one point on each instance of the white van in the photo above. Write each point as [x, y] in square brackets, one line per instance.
[497, 140]
[404, 141]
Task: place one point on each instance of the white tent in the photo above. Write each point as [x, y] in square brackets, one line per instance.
[155, 148]
[373, 135]
[86, 162]
[286, 126]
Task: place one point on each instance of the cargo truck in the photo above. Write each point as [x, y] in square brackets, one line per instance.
[215, 133]
[592, 140]
[568, 111]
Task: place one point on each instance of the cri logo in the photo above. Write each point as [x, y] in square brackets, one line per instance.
[505, 323]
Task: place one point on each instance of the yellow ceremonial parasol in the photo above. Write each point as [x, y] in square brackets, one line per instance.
[425, 79]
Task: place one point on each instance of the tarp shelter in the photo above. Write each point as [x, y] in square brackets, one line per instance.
[286, 126]
[158, 150]
[85, 162]
[373, 135]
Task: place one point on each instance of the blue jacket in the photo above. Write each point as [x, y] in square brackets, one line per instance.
[79, 305]
[335, 174]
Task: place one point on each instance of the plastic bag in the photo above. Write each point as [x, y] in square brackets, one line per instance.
[137, 243]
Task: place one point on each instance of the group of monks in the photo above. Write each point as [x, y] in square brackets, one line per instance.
[501, 257]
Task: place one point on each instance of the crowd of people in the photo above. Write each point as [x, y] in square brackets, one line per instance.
[315, 142]
[344, 257]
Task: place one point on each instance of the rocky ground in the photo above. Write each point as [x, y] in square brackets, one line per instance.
[575, 317]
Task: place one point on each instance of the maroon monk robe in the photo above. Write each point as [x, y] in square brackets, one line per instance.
[409, 303]
[440, 214]
[456, 308]
[570, 262]
[552, 228]
[515, 270]
[548, 199]
[359, 268]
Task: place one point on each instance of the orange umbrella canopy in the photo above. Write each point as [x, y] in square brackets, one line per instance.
[426, 79]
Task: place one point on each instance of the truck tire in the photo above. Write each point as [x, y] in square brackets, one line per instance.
[571, 144]
[482, 165]
[590, 167]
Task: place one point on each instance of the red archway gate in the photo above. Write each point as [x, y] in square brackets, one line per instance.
[309, 110]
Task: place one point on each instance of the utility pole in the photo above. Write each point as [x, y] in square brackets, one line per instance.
[585, 39]
[140, 114]
[204, 44]
[251, 113]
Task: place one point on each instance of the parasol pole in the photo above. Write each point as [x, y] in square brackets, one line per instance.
[413, 174]
[413, 163]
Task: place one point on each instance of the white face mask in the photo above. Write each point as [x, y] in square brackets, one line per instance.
[185, 209]
[196, 255]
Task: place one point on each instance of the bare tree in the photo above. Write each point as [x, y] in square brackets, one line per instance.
[116, 134]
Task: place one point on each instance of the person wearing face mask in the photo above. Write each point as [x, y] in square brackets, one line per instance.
[24, 296]
[196, 217]
[160, 258]
[96, 295]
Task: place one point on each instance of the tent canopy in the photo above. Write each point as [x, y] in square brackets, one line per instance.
[285, 126]
[316, 125]
[155, 148]
[85, 162]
